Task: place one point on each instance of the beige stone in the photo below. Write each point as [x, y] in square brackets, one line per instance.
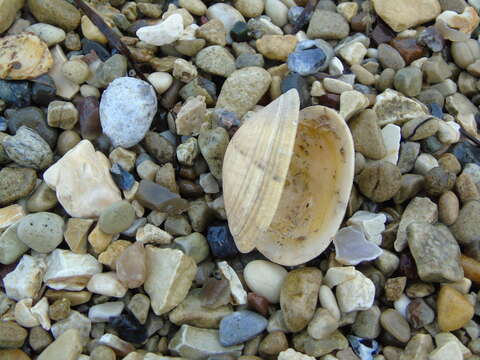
[9, 215]
[152, 234]
[65, 87]
[76, 234]
[191, 116]
[26, 280]
[109, 257]
[67, 346]
[169, 276]
[23, 56]
[91, 32]
[99, 240]
[402, 15]
[82, 181]
[276, 47]
[106, 284]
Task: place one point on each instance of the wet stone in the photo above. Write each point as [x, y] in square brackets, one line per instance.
[240, 327]
[221, 242]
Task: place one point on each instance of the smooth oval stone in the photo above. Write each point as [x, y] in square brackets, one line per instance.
[116, 218]
[127, 109]
[16, 183]
[221, 241]
[240, 327]
[265, 278]
[16, 93]
[89, 117]
[396, 325]
[129, 328]
[34, 118]
[42, 231]
[11, 248]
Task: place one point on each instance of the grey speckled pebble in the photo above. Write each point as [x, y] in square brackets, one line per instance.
[42, 231]
[389, 57]
[241, 326]
[127, 109]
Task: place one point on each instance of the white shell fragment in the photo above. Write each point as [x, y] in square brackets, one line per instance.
[352, 248]
[166, 32]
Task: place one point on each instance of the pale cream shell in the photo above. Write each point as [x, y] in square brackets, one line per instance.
[287, 180]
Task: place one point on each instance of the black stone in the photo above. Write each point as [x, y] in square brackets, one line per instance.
[221, 241]
[15, 93]
[43, 90]
[129, 328]
[33, 118]
[122, 177]
[239, 32]
[295, 81]
[89, 45]
[467, 153]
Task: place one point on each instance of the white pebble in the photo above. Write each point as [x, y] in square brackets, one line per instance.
[265, 278]
[391, 135]
[161, 81]
[277, 11]
[401, 304]
[166, 32]
[328, 301]
[424, 163]
[103, 312]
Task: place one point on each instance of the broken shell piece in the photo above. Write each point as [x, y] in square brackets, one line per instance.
[288, 176]
[352, 248]
[23, 56]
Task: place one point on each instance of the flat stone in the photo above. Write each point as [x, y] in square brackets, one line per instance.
[243, 89]
[42, 231]
[317, 348]
[436, 252]
[241, 326]
[169, 276]
[351, 247]
[127, 122]
[26, 280]
[298, 297]
[82, 181]
[15, 183]
[70, 271]
[418, 209]
[196, 343]
[404, 15]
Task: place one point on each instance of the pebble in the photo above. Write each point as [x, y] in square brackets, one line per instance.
[16, 183]
[273, 343]
[466, 227]
[9, 12]
[380, 181]
[116, 218]
[424, 163]
[42, 231]
[216, 60]
[317, 348]
[327, 25]
[163, 33]
[390, 58]
[367, 323]
[91, 32]
[196, 343]
[265, 279]
[448, 208]
[298, 297]
[50, 34]
[277, 11]
[450, 350]
[213, 144]
[161, 81]
[405, 15]
[250, 8]
[419, 314]
[276, 47]
[11, 247]
[453, 309]
[25, 281]
[80, 163]
[191, 116]
[17, 93]
[291, 354]
[55, 12]
[240, 327]
[129, 328]
[227, 14]
[76, 71]
[310, 57]
[353, 52]
[69, 344]
[367, 135]
[106, 284]
[213, 32]
[172, 267]
[243, 89]
[27, 148]
[39, 339]
[322, 324]
[351, 247]
[393, 322]
[221, 241]
[62, 114]
[11, 335]
[360, 285]
[131, 265]
[408, 81]
[393, 107]
[116, 118]
[60, 309]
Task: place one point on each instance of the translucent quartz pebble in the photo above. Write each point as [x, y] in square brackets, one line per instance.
[131, 268]
[352, 247]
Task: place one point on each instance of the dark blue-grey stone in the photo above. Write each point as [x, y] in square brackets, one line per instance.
[431, 144]
[44, 90]
[122, 178]
[3, 123]
[467, 153]
[89, 45]
[436, 110]
[246, 60]
[34, 118]
[296, 81]
[241, 326]
[221, 241]
[294, 13]
[364, 348]
[306, 62]
[15, 93]
[129, 328]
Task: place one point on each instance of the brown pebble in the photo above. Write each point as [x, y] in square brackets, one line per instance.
[258, 303]
[471, 268]
[409, 49]
[330, 100]
[448, 208]
[453, 309]
[466, 188]
[189, 189]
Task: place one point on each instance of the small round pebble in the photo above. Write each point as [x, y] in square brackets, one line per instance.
[76, 71]
[117, 217]
[42, 231]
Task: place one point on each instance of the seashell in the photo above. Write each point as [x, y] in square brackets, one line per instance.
[23, 56]
[287, 180]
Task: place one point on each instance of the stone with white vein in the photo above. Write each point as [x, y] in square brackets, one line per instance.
[164, 33]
